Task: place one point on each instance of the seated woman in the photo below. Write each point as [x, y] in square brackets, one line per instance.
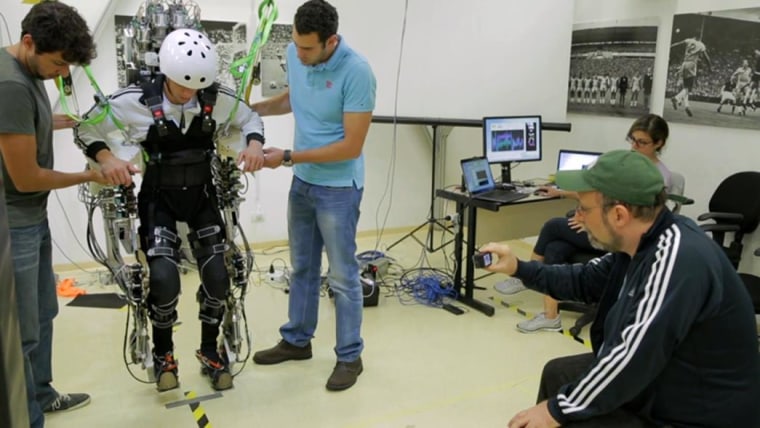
[562, 237]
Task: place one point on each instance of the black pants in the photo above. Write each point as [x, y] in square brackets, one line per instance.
[563, 370]
[558, 242]
[197, 206]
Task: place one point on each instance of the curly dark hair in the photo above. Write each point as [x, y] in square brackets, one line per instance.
[317, 16]
[56, 27]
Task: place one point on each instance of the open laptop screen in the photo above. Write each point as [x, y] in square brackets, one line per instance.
[477, 175]
[573, 159]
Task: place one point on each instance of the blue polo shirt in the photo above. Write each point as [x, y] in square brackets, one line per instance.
[319, 95]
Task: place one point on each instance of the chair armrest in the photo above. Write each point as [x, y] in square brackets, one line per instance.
[757, 252]
[683, 200]
[720, 227]
[727, 217]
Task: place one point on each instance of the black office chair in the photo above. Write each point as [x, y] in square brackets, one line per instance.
[752, 282]
[735, 208]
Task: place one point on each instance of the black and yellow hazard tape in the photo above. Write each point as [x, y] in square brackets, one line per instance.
[526, 314]
[198, 412]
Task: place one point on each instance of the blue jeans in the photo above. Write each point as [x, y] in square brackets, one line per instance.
[318, 217]
[37, 306]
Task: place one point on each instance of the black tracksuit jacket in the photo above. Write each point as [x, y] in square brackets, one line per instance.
[675, 337]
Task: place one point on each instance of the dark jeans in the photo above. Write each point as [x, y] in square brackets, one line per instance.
[557, 242]
[563, 370]
[37, 306]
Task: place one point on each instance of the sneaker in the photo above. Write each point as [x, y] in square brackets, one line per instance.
[166, 371]
[282, 352]
[510, 286]
[675, 103]
[688, 111]
[540, 322]
[344, 375]
[216, 368]
[66, 402]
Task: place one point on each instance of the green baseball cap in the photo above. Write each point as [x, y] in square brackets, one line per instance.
[624, 175]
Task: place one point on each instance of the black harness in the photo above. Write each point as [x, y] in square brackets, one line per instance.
[174, 159]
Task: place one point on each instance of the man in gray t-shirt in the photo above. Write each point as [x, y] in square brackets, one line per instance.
[53, 37]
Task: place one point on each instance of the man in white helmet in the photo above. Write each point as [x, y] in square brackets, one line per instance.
[173, 118]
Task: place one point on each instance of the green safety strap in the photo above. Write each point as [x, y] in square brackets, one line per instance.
[243, 68]
[100, 99]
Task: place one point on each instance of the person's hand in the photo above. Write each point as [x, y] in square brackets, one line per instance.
[252, 157]
[98, 177]
[575, 225]
[537, 416]
[504, 262]
[273, 157]
[550, 191]
[117, 171]
[62, 121]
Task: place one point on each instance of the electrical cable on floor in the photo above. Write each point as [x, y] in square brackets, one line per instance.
[427, 286]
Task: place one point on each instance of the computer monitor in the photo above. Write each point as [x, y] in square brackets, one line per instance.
[508, 139]
[575, 159]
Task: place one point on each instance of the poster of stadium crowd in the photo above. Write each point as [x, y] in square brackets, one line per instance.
[714, 69]
[611, 67]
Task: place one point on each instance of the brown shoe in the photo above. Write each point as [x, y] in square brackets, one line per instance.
[281, 352]
[344, 375]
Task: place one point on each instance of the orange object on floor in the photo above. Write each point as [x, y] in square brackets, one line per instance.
[66, 288]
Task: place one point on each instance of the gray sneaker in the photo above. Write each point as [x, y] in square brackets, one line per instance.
[510, 286]
[540, 322]
[66, 402]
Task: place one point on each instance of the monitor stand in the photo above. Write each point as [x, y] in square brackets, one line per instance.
[506, 174]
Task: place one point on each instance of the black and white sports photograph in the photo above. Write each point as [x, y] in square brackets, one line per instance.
[273, 62]
[135, 47]
[714, 69]
[611, 67]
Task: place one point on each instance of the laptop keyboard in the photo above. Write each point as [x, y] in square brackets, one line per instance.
[503, 195]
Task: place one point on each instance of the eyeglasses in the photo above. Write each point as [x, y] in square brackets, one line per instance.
[639, 142]
[580, 209]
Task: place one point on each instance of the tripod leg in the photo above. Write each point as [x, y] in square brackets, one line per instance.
[409, 235]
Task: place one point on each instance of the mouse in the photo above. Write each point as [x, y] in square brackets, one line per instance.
[540, 192]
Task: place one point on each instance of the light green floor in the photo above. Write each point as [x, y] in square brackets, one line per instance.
[424, 367]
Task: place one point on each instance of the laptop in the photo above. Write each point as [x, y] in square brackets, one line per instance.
[479, 182]
[569, 160]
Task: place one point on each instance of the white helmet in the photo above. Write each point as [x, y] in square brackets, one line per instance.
[188, 58]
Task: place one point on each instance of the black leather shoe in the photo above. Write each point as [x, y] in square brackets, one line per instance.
[281, 352]
[344, 375]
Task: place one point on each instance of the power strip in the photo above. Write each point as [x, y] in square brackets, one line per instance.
[277, 276]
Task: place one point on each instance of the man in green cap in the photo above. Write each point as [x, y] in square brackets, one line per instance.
[674, 341]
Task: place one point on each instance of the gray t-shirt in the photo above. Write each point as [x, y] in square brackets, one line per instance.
[25, 109]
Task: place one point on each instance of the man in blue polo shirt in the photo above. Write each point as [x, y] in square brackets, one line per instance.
[332, 95]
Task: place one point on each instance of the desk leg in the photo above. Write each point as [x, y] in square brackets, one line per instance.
[467, 290]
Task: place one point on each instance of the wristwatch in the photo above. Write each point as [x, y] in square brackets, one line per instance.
[286, 159]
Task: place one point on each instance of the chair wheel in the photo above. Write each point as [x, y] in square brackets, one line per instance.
[575, 331]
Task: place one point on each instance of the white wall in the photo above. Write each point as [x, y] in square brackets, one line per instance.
[691, 148]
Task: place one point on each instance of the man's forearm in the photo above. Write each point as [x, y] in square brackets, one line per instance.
[48, 179]
[279, 104]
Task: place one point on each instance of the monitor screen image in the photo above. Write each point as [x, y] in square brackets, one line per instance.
[477, 175]
[573, 159]
[512, 139]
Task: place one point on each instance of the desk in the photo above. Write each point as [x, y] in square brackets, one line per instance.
[467, 208]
